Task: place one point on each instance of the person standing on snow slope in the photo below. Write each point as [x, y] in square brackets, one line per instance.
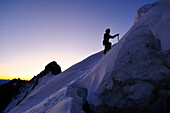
[106, 42]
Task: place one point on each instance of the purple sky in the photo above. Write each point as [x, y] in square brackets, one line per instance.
[36, 32]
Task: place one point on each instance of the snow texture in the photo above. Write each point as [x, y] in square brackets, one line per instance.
[44, 97]
[135, 73]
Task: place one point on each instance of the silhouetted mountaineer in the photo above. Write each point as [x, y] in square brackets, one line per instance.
[106, 42]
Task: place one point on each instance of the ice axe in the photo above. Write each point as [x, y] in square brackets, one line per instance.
[118, 37]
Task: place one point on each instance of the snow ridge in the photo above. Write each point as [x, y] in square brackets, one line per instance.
[134, 76]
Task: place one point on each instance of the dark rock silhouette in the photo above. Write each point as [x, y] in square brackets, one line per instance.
[10, 90]
[52, 67]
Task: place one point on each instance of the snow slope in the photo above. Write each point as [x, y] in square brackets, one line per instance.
[134, 76]
[155, 24]
[52, 88]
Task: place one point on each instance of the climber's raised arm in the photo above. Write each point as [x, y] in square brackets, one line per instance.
[114, 36]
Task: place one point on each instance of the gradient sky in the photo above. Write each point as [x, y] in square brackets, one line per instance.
[36, 32]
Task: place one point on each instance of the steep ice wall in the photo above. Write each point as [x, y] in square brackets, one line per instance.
[136, 68]
[144, 9]
[160, 17]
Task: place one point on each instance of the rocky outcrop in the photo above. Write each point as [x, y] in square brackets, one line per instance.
[52, 67]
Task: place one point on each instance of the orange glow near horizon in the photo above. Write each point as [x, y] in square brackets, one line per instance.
[7, 78]
[16, 75]
[34, 65]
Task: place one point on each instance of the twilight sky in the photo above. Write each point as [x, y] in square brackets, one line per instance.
[36, 32]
